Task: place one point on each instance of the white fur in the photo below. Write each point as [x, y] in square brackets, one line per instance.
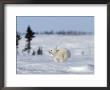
[60, 55]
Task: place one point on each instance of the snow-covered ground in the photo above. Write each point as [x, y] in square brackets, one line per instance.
[81, 61]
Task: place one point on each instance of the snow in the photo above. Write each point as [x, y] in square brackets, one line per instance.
[80, 62]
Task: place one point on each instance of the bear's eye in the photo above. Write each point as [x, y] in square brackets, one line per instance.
[50, 50]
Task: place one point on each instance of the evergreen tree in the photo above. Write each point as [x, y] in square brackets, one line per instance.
[39, 51]
[29, 36]
[33, 53]
[18, 37]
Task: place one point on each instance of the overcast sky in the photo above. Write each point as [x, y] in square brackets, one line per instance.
[55, 23]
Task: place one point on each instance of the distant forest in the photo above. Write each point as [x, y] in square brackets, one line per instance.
[64, 33]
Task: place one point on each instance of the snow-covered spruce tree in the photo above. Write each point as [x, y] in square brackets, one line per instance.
[18, 37]
[33, 53]
[29, 36]
[39, 51]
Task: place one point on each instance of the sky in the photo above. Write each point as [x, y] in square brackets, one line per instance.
[55, 23]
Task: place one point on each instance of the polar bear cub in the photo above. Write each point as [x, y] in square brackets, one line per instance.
[60, 55]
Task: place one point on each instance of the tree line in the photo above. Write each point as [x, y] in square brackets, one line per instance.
[62, 32]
